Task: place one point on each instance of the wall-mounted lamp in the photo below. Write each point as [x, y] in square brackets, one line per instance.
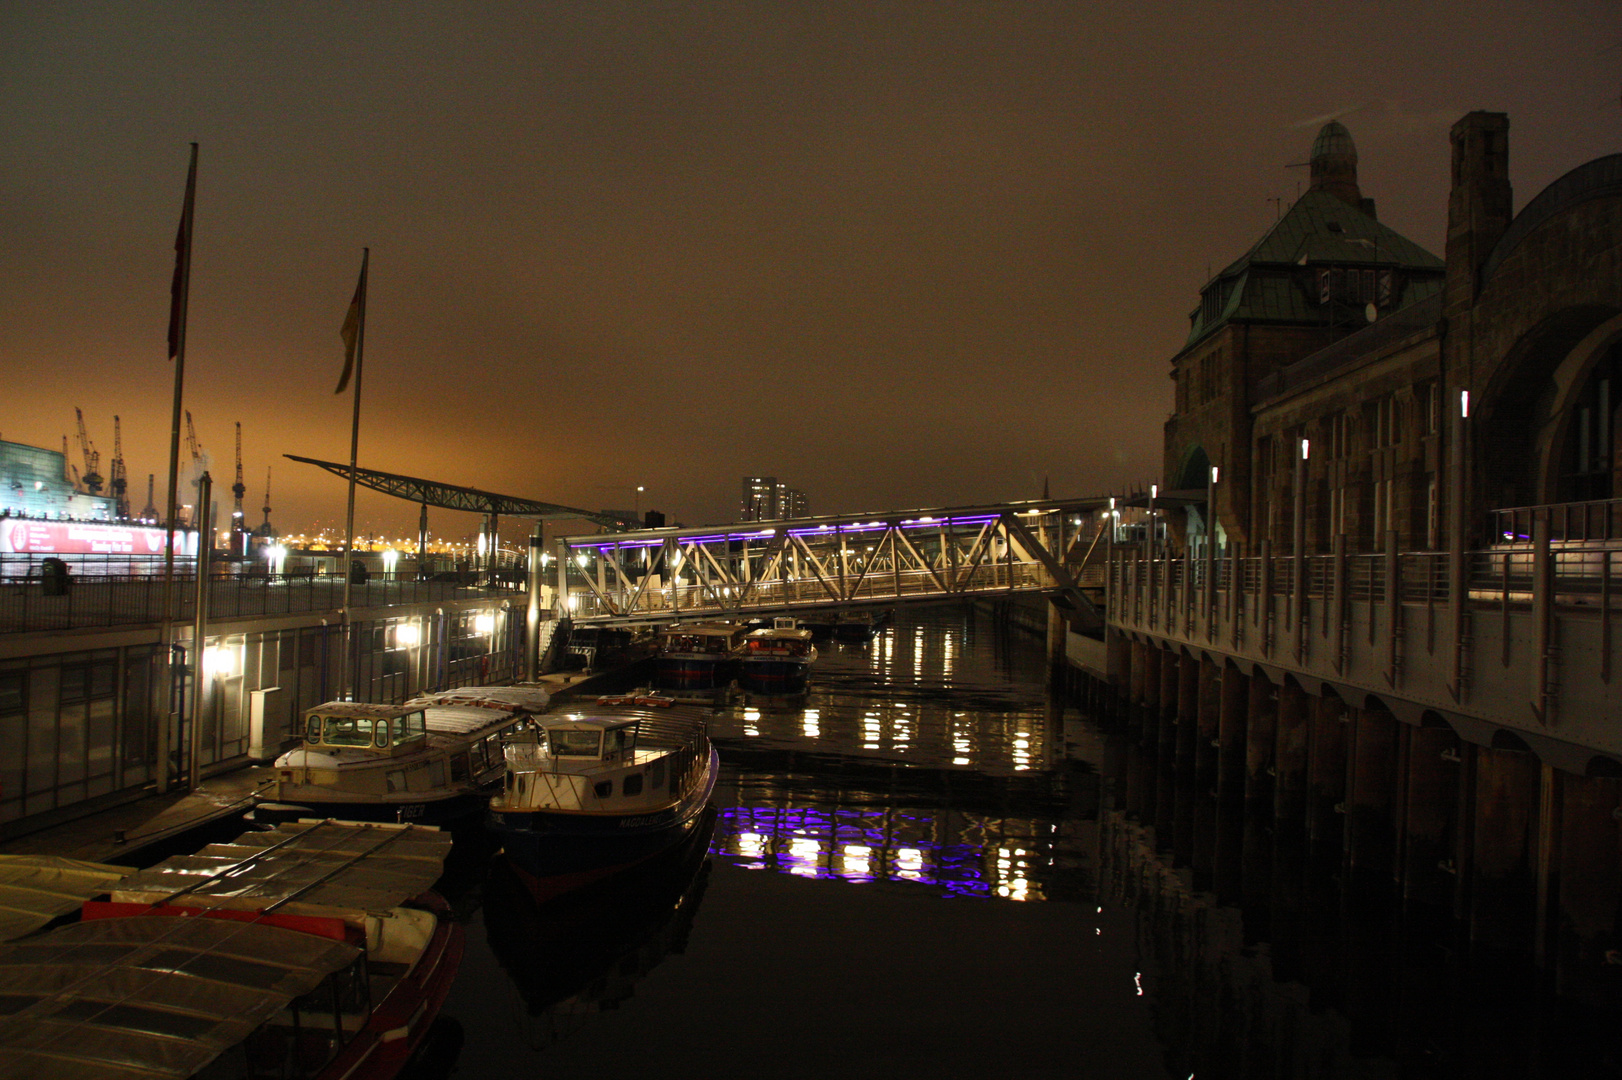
[219, 661]
[1464, 403]
[1306, 449]
[1215, 474]
[406, 635]
[484, 623]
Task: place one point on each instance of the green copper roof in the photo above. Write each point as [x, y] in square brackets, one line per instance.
[1266, 284]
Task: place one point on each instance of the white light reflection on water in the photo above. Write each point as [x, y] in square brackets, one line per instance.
[810, 723]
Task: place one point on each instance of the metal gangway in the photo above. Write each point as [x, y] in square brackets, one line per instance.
[815, 564]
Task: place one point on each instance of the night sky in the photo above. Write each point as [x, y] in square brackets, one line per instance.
[898, 254]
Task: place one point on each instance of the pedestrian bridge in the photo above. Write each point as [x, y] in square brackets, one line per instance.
[823, 563]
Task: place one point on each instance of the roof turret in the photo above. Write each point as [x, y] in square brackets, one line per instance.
[1333, 163]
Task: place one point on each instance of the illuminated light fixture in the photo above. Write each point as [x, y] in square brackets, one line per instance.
[407, 634]
[1464, 403]
[1215, 474]
[580, 560]
[219, 661]
[484, 623]
[391, 559]
[1154, 491]
[1306, 449]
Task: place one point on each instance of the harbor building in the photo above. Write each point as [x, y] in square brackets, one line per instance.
[1402, 644]
[34, 484]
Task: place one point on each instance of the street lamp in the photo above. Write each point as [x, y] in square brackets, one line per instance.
[639, 490]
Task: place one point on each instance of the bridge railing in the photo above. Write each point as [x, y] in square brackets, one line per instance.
[760, 566]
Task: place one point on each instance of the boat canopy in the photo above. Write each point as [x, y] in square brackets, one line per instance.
[34, 889]
[149, 998]
[300, 868]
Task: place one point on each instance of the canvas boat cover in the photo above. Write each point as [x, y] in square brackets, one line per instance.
[148, 998]
[34, 889]
[531, 699]
[300, 868]
[464, 720]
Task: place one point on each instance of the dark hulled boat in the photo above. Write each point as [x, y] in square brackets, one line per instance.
[698, 655]
[589, 795]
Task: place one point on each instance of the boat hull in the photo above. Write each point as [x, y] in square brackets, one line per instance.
[399, 1024]
[775, 675]
[454, 810]
[692, 672]
[554, 852]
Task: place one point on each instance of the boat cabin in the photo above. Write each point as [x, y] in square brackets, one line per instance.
[719, 638]
[385, 730]
[592, 739]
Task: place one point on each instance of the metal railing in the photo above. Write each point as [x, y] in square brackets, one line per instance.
[1579, 576]
[1579, 522]
[105, 600]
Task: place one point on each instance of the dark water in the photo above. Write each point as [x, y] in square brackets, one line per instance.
[929, 867]
[901, 881]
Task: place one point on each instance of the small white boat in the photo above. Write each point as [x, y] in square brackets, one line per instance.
[585, 796]
[777, 659]
[430, 761]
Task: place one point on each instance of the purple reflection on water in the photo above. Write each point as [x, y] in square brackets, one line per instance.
[847, 845]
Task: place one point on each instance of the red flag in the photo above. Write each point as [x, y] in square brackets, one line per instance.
[177, 285]
[351, 332]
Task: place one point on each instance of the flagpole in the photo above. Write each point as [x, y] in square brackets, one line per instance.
[358, 313]
[179, 293]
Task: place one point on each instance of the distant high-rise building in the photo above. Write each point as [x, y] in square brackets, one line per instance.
[792, 503]
[765, 498]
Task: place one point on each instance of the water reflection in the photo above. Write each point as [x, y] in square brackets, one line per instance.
[952, 780]
[580, 953]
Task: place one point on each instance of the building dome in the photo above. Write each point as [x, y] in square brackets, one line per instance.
[1334, 141]
[1333, 163]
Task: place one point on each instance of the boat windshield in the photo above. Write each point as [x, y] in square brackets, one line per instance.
[699, 643]
[407, 727]
[346, 730]
[568, 742]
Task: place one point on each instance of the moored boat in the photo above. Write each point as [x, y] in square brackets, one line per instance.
[586, 796]
[431, 760]
[698, 655]
[777, 659]
[313, 951]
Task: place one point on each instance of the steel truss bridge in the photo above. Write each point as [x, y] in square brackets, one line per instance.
[824, 563]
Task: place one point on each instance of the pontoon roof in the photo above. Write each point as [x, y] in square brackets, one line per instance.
[363, 710]
[149, 998]
[303, 868]
[34, 889]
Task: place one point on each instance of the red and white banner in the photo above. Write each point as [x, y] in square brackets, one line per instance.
[78, 538]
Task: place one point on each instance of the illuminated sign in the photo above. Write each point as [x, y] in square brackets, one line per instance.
[20, 537]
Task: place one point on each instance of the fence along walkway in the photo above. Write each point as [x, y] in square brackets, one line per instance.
[828, 562]
[96, 600]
